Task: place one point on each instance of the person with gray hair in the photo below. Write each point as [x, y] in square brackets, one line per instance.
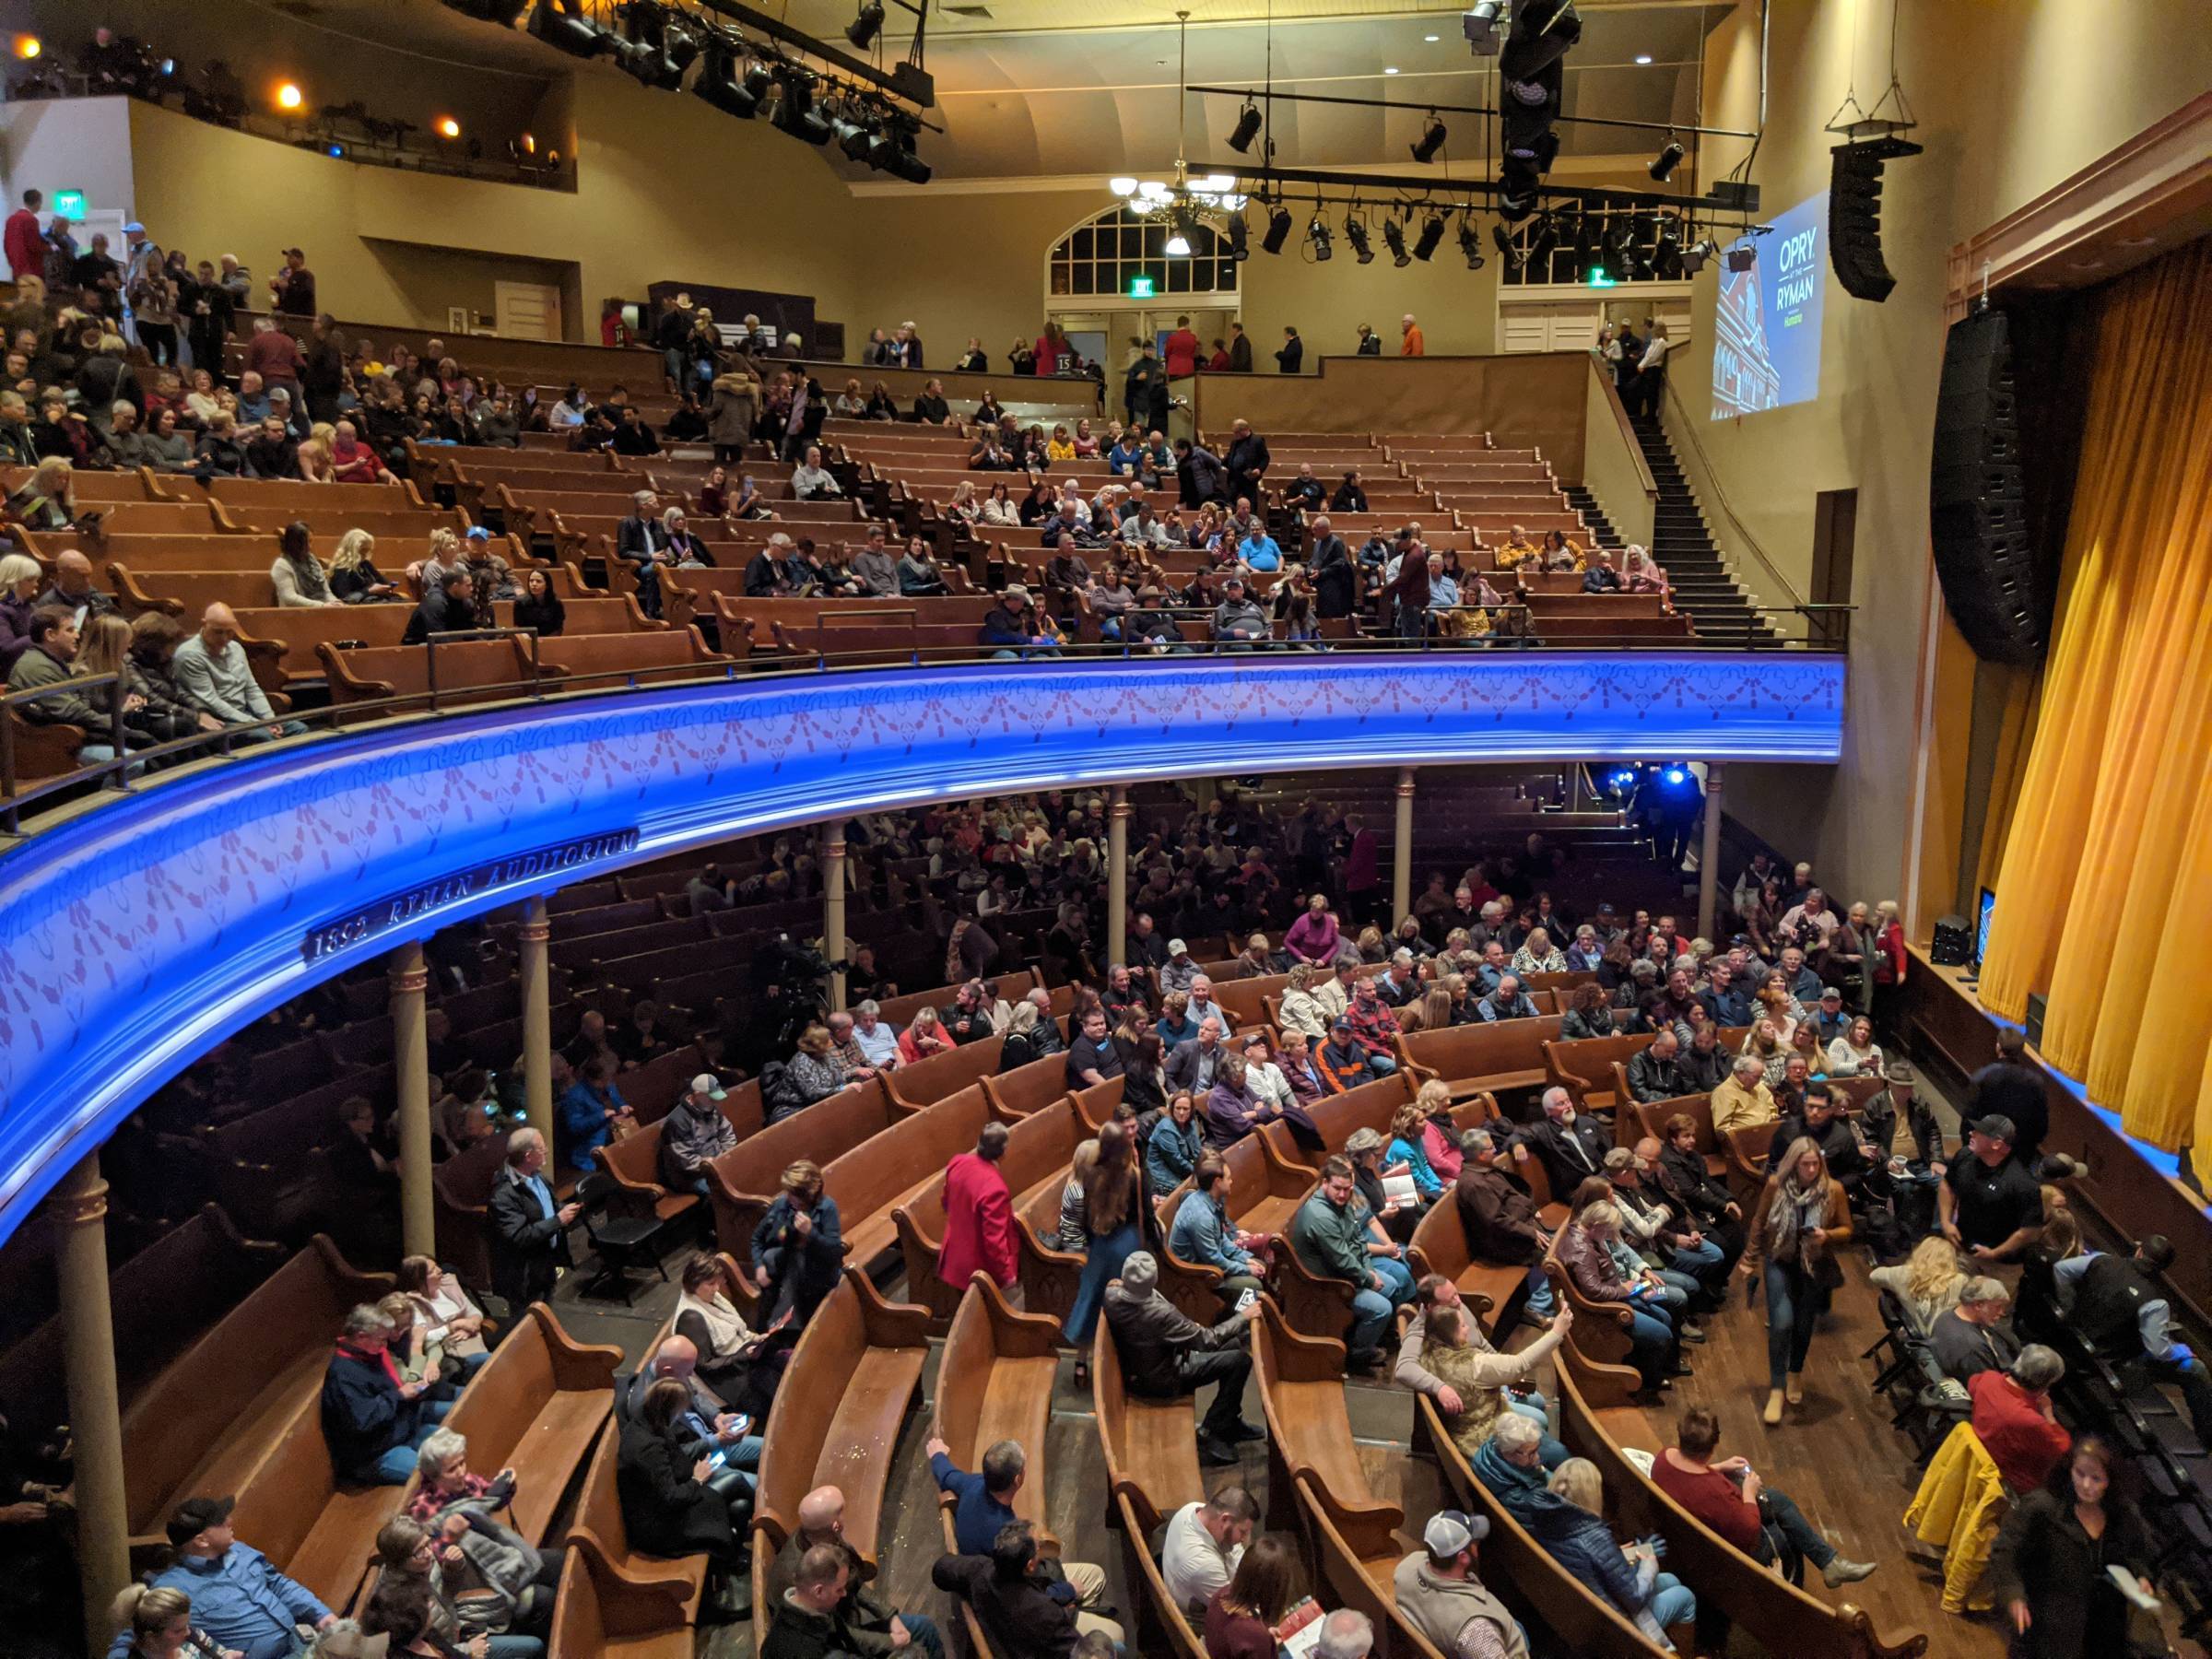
[1165, 1354]
[1346, 1634]
[642, 541]
[1973, 1337]
[529, 1226]
[2014, 1420]
[374, 1424]
[982, 1503]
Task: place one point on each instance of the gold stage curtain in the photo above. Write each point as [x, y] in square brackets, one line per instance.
[2105, 885]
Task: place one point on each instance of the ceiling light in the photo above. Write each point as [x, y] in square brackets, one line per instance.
[1470, 244]
[1355, 232]
[1696, 255]
[1179, 245]
[718, 81]
[290, 97]
[1247, 128]
[1278, 230]
[1122, 186]
[1664, 164]
[1432, 39]
[1643, 57]
[1431, 140]
[1317, 233]
[1214, 183]
[864, 29]
[1481, 27]
[1153, 190]
[447, 127]
[1431, 234]
[27, 46]
[1394, 238]
[1393, 69]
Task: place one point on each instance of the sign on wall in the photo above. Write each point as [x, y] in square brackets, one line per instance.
[1765, 348]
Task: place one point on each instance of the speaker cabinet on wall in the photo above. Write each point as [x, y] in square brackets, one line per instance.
[1855, 214]
[1977, 506]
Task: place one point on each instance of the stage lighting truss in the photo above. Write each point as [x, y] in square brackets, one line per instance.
[1565, 243]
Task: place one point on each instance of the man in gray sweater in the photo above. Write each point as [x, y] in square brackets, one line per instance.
[211, 667]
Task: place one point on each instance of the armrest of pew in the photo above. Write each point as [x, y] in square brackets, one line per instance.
[577, 1366]
[889, 1323]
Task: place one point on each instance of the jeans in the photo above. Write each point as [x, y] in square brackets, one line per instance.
[1103, 1263]
[1706, 1263]
[515, 1647]
[2196, 1387]
[1673, 1602]
[1541, 1299]
[1384, 1063]
[1783, 1515]
[397, 1464]
[1650, 1342]
[1795, 1304]
[1372, 1308]
[925, 1631]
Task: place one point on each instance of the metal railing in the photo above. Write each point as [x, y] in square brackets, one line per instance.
[139, 765]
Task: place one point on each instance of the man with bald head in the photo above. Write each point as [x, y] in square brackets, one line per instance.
[71, 589]
[866, 1622]
[709, 1426]
[211, 667]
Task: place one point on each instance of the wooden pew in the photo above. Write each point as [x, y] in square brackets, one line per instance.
[1584, 1067]
[598, 1531]
[468, 671]
[1040, 1148]
[853, 1374]
[897, 1164]
[1151, 1446]
[598, 1614]
[634, 1162]
[1598, 1419]
[1266, 1189]
[994, 1382]
[595, 661]
[1473, 1059]
[900, 1011]
[1440, 1245]
[743, 1183]
[1161, 1626]
[1520, 1571]
[1027, 1088]
[461, 1196]
[931, 1079]
[209, 1416]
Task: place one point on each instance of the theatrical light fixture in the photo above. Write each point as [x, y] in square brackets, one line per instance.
[1469, 243]
[718, 82]
[1240, 238]
[1696, 255]
[1431, 234]
[27, 46]
[864, 29]
[1247, 128]
[1666, 259]
[1355, 232]
[853, 135]
[795, 112]
[1481, 27]
[1394, 238]
[1503, 240]
[290, 97]
[656, 47]
[1431, 140]
[563, 25]
[1317, 233]
[1278, 230]
[1664, 164]
[447, 127]
[891, 148]
[1743, 257]
[1532, 88]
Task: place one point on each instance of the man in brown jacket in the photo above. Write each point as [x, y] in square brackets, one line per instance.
[1165, 1353]
[1500, 1217]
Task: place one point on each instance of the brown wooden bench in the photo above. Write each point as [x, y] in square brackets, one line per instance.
[994, 1382]
[598, 1614]
[634, 1164]
[1520, 1570]
[1151, 1446]
[1598, 1419]
[853, 1374]
[469, 671]
[1495, 1058]
[1027, 1088]
[460, 1198]
[1440, 1245]
[931, 1079]
[290, 1504]
[1584, 1067]
[1266, 1189]
[743, 1182]
[599, 1531]
[205, 1421]
[896, 1165]
[1048, 1275]
[1245, 1000]
[900, 1011]
[1161, 1626]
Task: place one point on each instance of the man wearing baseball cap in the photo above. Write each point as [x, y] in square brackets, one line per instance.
[237, 1597]
[1990, 1205]
[294, 287]
[693, 1134]
[1439, 1595]
[1180, 971]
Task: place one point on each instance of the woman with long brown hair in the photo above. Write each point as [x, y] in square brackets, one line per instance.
[1098, 1217]
[1798, 1233]
[1242, 1617]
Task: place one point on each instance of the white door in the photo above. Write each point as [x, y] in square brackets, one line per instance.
[526, 311]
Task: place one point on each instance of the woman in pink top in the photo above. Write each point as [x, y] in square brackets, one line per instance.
[1052, 346]
[1313, 937]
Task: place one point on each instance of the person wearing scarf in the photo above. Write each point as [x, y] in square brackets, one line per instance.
[373, 1421]
[1801, 1221]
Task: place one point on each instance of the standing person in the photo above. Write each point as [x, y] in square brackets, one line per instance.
[1240, 349]
[1183, 352]
[798, 1247]
[293, 289]
[25, 243]
[1292, 356]
[1802, 1222]
[1410, 341]
[2012, 1090]
[1651, 372]
[1099, 1212]
[2050, 1570]
[529, 1228]
[979, 1214]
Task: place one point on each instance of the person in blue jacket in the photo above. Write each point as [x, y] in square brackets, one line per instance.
[1171, 1153]
[590, 1111]
[798, 1248]
[373, 1422]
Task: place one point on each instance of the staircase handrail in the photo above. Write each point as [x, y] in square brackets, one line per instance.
[1689, 431]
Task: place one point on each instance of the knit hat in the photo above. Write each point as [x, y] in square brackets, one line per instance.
[1140, 1272]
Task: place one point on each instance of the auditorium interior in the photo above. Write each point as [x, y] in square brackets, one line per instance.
[1504, 980]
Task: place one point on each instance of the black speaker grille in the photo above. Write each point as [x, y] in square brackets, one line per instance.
[1977, 500]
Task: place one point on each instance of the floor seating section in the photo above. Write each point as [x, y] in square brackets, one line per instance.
[1267, 1188]
[742, 1183]
[853, 1374]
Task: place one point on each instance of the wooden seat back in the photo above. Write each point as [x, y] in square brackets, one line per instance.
[1357, 1558]
[1493, 1057]
[1028, 1088]
[1300, 1380]
[598, 661]
[742, 1182]
[1048, 1274]
[994, 1382]
[461, 1197]
[1440, 1245]
[537, 1405]
[1338, 1116]
[1583, 1066]
[595, 1614]
[1162, 1627]
[931, 1079]
[599, 1527]
[900, 1011]
[1151, 1446]
[469, 670]
[870, 1180]
[1245, 1000]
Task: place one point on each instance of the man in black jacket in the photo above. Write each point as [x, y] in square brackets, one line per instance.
[529, 1228]
[445, 608]
[1569, 1145]
[1292, 356]
[1164, 1353]
[1240, 349]
[931, 408]
[2011, 1089]
[1012, 1600]
[1653, 1075]
[1329, 563]
[1200, 473]
[1247, 461]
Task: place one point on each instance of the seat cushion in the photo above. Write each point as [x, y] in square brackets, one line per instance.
[335, 1556]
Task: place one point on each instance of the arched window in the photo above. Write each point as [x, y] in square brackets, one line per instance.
[1107, 256]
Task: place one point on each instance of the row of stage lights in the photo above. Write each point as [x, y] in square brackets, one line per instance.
[1431, 144]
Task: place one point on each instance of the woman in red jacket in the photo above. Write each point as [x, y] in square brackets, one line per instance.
[979, 1214]
[1886, 963]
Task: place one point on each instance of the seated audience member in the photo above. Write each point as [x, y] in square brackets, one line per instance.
[1584, 1253]
[983, 1504]
[211, 667]
[694, 1133]
[2121, 1310]
[1744, 1101]
[1205, 1236]
[2014, 1420]
[1244, 1617]
[1175, 1145]
[1573, 1530]
[1444, 1354]
[433, 1563]
[1344, 1061]
[158, 1624]
[1989, 1204]
[1822, 1120]
[1012, 1598]
[593, 1112]
[1926, 1284]
[1438, 1594]
[1332, 1235]
[375, 1423]
[1570, 1145]
[1498, 1214]
[1973, 1337]
[1202, 1546]
[979, 1216]
[815, 1072]
[741, 1365]
[878, 1040]
[450, 1324]
[1730, 1497]
[1659, 1233]
[865, 1622]
[241, 1603]
[1652, 1073]
[798, 1247]
[1165, 1354]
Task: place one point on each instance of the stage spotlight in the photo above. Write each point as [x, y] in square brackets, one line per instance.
[795, 112]
[1317, 233]
[1503, 240]
[1278, 230]
[563, 25]
[1696, 255]
[718, 83]
[1431, 234]
[1743, 257]
[864, 29]
[1666, 259]
[1481, 27]
[893, 151]
[1470, 244]
[1394, 238]
[1431, 140]
[1240, 238]
[1355, 232]
[1662, 166]
[1247, 128]
[290, 97]
[1546, 238]
[854, 135]
[27, 46]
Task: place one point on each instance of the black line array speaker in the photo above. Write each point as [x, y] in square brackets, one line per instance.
[1855, 214]
[1977, 503]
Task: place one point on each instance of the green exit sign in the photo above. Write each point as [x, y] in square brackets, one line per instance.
[1140, 287]
[69, 204]
[1598, 278]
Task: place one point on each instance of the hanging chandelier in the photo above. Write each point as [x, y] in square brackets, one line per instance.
[1186, 202]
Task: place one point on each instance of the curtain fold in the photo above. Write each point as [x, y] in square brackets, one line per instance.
[2106, 862]
[2016, 740]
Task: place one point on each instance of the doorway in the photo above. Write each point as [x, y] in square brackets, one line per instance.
[1107, 337]
[526, 311]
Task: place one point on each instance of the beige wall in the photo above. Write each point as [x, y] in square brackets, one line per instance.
[2012, 97]
[80, 144]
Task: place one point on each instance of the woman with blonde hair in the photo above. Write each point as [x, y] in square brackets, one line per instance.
[1926, 1283]
[1764, 1044]
[1855, 1054]
[1539, 955]
[1439, 1135]
[1299, 1010]
[159, 1622]
[47, 499]
[315, 464]
[1575, 1535]
[924, 1035]
[1798, 1231]
[1432, 1013]
[354, 577]
[1100, 1209]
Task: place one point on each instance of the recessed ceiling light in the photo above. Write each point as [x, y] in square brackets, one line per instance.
[1643, 57]
[1432, 39]
[1393, 69]
[2138, 241]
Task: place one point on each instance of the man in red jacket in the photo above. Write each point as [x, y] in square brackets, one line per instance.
[25, 245]
[1183, 352]
[979, 1214]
